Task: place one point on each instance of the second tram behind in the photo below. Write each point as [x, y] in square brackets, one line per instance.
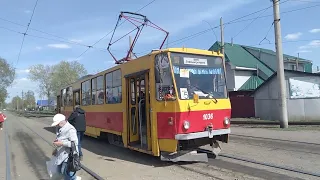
[167, 103]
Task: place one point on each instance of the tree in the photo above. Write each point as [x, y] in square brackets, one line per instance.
[65, 73]
[16, 102]
[52, 78]
[29, 99]
[7, 75]
[43, 75]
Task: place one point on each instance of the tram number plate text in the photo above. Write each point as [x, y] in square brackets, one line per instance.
[207, 116]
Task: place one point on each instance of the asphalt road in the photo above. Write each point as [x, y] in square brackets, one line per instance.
[28, 152]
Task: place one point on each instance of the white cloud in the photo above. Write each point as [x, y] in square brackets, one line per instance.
[304, 51]
[22, 84]
[59, 46]
[27, 11]
[293, 36]
[314, 31]
[76, 40]
[315, 43]
[311, 45]
[23, 71]
[38, 48]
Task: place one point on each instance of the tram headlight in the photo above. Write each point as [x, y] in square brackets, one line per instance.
[226, 121]
[186, 124]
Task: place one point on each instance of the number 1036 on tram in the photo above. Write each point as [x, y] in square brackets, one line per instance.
[167, 103]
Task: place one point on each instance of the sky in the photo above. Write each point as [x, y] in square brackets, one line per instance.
[83, 23]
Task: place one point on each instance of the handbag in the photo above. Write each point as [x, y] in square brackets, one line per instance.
[73, 163]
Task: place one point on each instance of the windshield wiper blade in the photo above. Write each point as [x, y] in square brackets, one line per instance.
[216, 101]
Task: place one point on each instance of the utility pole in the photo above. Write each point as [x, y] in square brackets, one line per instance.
[297, 62]
[22, 101]
[223, 58]
[280, 72]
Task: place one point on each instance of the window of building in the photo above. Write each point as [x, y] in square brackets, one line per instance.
[113, 87]
[100, 93]
[86, 92]
[94, 87]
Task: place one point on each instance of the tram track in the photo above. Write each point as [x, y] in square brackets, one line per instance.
[260, 163]
[273, 139]
[290, 146]
[86, 169]
[8, 152]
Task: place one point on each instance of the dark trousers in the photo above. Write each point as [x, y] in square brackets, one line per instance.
[1, 124]
[80, 137]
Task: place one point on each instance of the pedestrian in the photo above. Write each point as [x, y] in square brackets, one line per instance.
[65, 136]
[78, 120]
[2, 118]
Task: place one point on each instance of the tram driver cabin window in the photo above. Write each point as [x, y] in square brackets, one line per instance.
[163, 78]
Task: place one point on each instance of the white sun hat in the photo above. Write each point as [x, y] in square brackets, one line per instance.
[57, 119]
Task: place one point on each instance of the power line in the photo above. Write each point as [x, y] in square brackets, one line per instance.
[112, 30]
[306, 1]
[265, 37]
[263, 11]
[24, 34]
[233, 22]
[50, 34]
[250, 23]
[57, 40]
[292, 41]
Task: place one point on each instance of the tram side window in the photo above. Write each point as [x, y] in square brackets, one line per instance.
[77, 100]
[163, 78]
[63, 93]
[69, 99]
[113, 87]
[64, 97]
[86, 93]
[100, 91]
[94, 83]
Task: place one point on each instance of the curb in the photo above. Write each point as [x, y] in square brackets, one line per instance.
[275, 122]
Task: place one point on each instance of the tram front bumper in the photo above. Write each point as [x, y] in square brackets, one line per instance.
[186, 156]
[203, 134]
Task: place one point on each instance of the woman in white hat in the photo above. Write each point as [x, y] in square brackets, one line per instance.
[65, 135]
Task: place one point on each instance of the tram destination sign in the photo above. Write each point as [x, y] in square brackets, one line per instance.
[195, 61]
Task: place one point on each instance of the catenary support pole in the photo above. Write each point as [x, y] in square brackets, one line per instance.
[280, 72]
[222, 52]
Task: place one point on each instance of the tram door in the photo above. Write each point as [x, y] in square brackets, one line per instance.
[138, 117]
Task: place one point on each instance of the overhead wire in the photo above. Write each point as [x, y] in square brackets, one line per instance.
[112, 30]
[237, 20]
[24, 34]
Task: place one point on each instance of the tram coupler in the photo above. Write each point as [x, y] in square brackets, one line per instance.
[216, 148]
[184, 156]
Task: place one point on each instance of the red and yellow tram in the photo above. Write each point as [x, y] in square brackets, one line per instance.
[167, 103]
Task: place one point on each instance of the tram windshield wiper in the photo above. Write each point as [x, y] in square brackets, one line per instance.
[204, 92]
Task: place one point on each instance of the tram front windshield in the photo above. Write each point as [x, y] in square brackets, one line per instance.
[198, 74]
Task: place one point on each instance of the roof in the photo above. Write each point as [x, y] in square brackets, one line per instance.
[243, 56]
[268, 51]
[275, 74]
[238, 56]
[252, 83]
